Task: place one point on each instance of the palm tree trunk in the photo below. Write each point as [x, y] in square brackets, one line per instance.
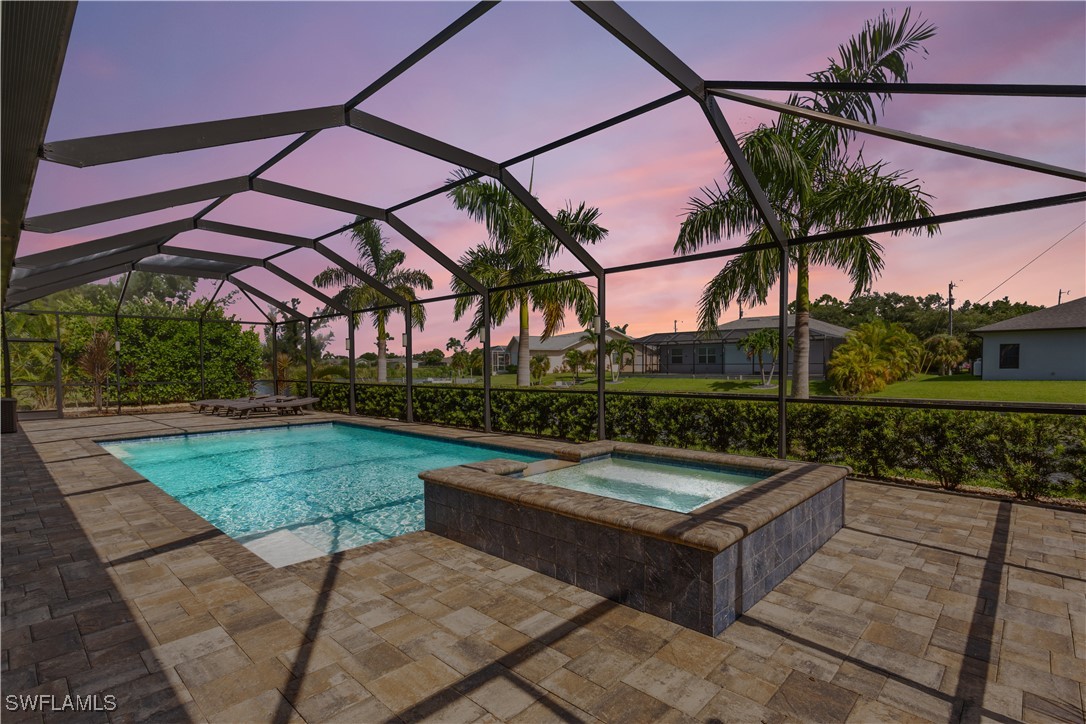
[801, 373]
[382, 348]
[524, 354]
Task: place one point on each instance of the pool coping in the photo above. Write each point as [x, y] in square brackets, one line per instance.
[713, 527]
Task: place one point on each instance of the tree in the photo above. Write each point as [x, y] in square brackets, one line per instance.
[756, 344]
[619, 350]
[577, 360]
[813, 185]
[593, 338]
[945, 351]
[520, 249]
[95, 362]
[432, 358]
[475, 360]
[873, 355]
[384, 265]
[540, 364]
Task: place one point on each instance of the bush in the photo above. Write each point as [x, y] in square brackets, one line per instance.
[943, 443]
[1029, 454]
[1025, 452]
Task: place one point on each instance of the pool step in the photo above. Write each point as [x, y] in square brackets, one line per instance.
[281, 548]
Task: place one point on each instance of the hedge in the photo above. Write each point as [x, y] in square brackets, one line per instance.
[1030, 454]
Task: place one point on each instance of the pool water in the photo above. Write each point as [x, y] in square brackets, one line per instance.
[334, 486]
[671, 486]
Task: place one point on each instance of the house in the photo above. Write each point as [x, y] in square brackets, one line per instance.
[718, 353]
[1049, 344]
[555, 348]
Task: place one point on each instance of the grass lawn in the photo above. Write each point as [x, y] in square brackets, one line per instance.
[968, 387]
[921, 387]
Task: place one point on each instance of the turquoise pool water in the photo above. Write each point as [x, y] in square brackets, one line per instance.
[667, 485]
[334, 486]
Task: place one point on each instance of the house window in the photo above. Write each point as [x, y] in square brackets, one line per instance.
[707, 355]
[676, 355]
[1008, 356]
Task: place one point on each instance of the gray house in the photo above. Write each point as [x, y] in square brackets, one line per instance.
[718, 353]
[1049, 344]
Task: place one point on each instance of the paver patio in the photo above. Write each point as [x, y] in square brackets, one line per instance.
[926, 606]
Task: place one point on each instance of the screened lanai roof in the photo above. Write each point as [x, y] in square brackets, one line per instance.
[28, 86]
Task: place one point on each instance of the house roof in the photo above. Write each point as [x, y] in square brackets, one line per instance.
[1069, 315]
[562, 342]
[738, 329]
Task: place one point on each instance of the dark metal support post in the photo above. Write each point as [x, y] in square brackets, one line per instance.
[487, 364]
[408, 372]
[58, 371]
[782, 387]
[601, 345]
[7, 354]
[350, 363]
[274, 330]
[117, 350]
[203, 379]
[309, 358]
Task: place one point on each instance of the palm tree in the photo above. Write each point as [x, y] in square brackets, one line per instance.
[539, 365]
[576, 360]
[875, 354]
[813, 186]
[944, 350]
[383, 264]
[618, 350]
[520, 250]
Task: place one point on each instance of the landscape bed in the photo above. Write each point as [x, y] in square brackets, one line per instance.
[700, 569]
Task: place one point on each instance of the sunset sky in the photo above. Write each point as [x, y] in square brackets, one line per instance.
[528, 73]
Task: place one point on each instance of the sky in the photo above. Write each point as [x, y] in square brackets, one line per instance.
[527, 73]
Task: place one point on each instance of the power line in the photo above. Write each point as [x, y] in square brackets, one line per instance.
[1012, 276]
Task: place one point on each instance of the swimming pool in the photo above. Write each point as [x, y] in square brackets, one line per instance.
[331, 485]
[667, 485]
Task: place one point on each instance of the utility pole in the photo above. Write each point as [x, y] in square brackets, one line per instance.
[1062, 292]
[740, 310]
[950, 305]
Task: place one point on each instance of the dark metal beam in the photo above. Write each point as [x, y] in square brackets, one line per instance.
[114, 147]
[313, 198]
[358, 272]
[905, 137]
[148, 235]
[35, 42]
[634, 36]
[207, 307]
[97, 213]
[250, 233]
[19, 297]
[425, 49]
[416, 141]
[235, 259]
[746, 175]
[601, 126]
[249, 289]
[315, 293]
[434, 253]
[956, 89]
[536, 209]
[59, 274]
[149, 266]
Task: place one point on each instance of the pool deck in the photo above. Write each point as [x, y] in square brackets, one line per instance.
[926, 607]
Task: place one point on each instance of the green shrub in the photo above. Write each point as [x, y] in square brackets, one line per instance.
[1027, 452]
[944, 443]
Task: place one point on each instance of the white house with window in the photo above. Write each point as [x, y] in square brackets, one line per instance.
[1049, 344]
